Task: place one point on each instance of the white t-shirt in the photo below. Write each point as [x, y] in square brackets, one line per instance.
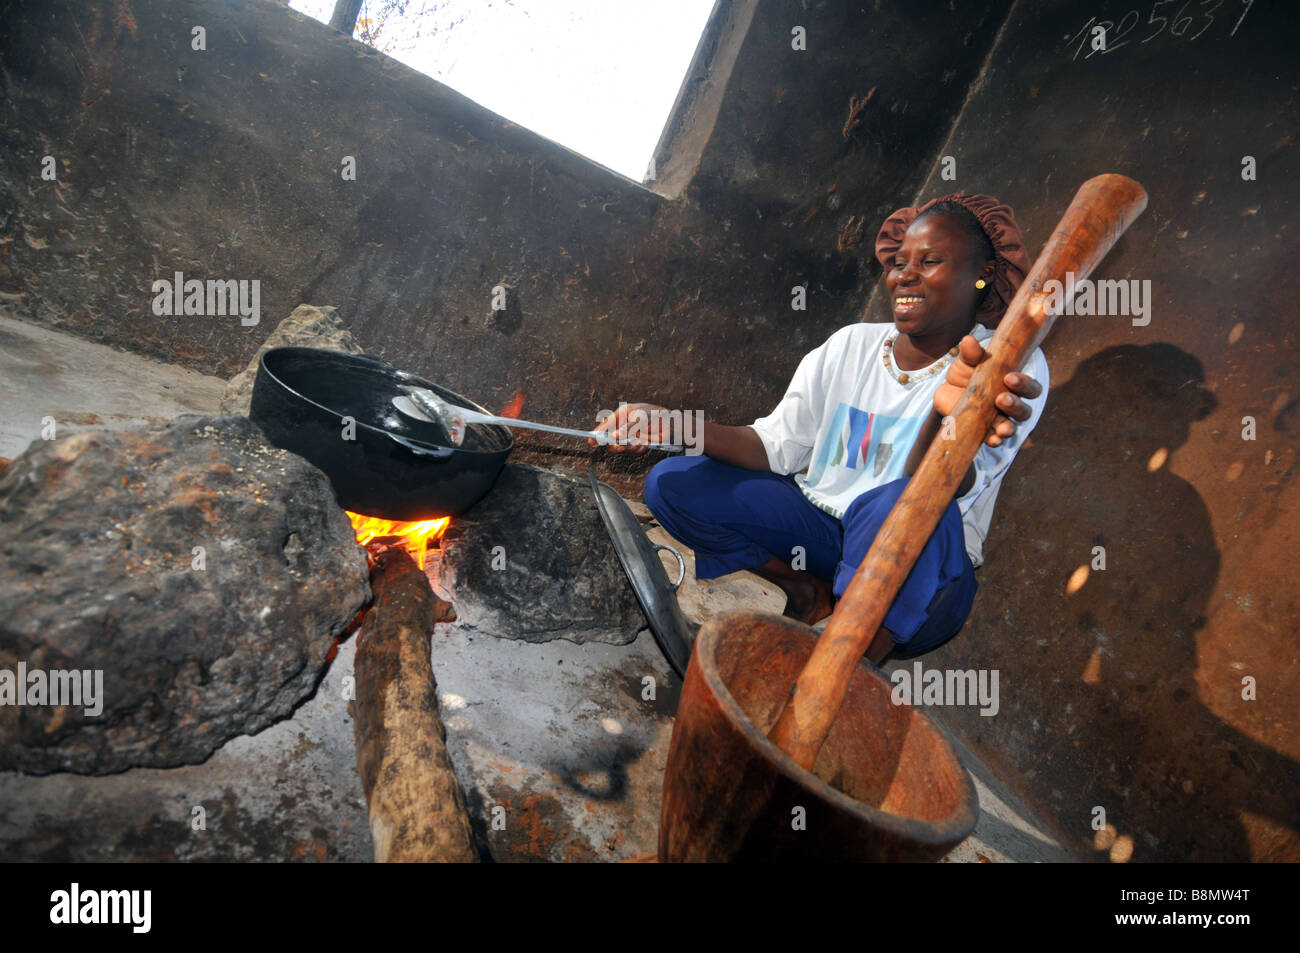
[849, 422]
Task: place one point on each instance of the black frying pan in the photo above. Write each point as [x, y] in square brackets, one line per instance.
[395, 468]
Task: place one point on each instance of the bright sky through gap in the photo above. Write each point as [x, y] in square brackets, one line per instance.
[597, 76]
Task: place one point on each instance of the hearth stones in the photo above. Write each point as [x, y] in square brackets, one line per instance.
[532, 561]
[307, 326]
[197, 574]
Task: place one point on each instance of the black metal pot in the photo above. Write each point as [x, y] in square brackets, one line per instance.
[394, 467]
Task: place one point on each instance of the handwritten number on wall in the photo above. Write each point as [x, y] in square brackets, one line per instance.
[1179, 25]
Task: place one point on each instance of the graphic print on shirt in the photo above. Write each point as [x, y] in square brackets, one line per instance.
[859, 441]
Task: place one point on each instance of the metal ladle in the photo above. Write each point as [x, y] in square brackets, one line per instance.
[421, 404]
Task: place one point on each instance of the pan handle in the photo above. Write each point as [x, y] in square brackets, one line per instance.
[681, 564]
[438, 453]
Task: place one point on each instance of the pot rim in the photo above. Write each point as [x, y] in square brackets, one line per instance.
[390, 370]
[950, 830]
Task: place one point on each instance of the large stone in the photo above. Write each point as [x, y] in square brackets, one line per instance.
[307, 326]
[204, 572]
[533, 561]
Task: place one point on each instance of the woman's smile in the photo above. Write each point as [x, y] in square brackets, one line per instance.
[932, 281]
[907, 305]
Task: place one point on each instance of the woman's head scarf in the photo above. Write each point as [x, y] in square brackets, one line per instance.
[1010, 259]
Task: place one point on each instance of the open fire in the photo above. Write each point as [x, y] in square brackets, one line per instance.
[515, 407]
[415, 536]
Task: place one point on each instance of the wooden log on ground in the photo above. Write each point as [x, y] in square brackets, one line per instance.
[417, 808]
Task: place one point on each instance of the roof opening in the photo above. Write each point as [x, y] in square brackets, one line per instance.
[599, 78]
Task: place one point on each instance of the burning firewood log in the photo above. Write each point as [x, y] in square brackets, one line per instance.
[417, 808]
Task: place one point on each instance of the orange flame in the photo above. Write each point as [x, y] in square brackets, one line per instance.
[416, 535]
[515, 407]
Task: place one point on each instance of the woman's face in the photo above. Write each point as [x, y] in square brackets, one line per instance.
[932, 282]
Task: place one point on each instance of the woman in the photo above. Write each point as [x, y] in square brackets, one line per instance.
[854, 424]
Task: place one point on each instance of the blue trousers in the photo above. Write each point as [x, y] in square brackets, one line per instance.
[737, 519]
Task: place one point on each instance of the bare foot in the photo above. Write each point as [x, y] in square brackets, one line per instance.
[808, 599]
[814, 604]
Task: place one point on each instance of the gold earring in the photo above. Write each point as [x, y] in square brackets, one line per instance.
[979, 283]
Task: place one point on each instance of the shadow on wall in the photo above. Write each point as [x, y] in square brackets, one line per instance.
[1108, 688]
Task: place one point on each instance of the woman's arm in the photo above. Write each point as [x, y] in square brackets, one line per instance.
[739, 446]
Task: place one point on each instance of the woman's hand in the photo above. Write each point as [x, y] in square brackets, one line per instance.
[633, 427]
[1011, 408]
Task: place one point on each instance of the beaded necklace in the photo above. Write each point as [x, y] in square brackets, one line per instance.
[904, 377]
